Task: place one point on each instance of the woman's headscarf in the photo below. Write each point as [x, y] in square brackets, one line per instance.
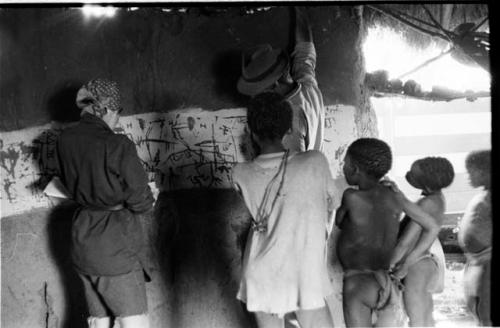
[99, 95]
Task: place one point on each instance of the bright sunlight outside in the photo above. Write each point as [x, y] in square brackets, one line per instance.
[416, 128]
[386, 49]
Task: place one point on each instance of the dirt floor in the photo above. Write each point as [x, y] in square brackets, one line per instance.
[449, 306]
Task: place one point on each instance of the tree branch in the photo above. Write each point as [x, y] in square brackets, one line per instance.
[406, 22]
[449, 35]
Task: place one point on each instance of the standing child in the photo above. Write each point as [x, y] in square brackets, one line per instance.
[290, 196]
[425, 276]
[369, 219]
[475, 238]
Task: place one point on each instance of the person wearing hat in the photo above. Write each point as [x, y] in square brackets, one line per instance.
[103, 174]
[265, 69]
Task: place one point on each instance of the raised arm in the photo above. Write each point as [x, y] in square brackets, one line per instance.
[303, 31]
[304, 53]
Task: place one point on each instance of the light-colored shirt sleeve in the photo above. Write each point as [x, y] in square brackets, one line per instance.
[309, 111]
[304, 63]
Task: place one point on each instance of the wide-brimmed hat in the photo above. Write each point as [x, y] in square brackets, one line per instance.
[261, 66]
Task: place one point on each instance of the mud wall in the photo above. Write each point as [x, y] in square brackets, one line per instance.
[177, 72]
[163, 60]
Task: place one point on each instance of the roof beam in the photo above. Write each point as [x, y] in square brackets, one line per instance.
[446, 13]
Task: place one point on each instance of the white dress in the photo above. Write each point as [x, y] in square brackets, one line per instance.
[285, 268]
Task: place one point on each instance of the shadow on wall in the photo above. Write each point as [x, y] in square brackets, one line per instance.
[62, 108]
[59, 234]
[199, 245]
[227, 69]
[42, 152]
[196, 240]
[61, 105]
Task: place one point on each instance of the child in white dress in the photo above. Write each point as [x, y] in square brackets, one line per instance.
[291, 197]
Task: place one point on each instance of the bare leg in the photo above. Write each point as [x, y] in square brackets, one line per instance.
[477, 292]
[471, 302]
[484, 300]
[95, 322]
[267, 320]
[417, 299]
[291, 320]
[360, 294]
[134, 321]
[317, 318]
[419, 306]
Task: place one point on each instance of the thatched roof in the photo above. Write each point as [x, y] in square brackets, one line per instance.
[449, 16]
[461, 29]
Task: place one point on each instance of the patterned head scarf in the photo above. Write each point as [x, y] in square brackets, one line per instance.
[99, 95]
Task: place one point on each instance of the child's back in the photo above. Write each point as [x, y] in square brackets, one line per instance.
[290, 198]
[434, 205]
[370, 233]
[369, 223]
[284, 265]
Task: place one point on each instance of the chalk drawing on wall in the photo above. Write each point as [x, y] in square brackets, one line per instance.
[192, 148]
[27, 161]
[188, 148]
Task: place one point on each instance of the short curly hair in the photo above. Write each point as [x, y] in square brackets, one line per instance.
[479, 160]
[372, 156]
[269, 115]
[438, 172]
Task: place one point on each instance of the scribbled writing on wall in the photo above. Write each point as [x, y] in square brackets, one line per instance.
[27, 162]
[188, 148]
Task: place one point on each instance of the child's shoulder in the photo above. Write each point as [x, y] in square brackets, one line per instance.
[313, 159]
[240, 168]
[351, 191]
[377, 196]
[431, 202]
[479, 203]
[311, 156]
[351, 194]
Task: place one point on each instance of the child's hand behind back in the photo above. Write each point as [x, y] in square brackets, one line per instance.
[400, 270]
[387, 182]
